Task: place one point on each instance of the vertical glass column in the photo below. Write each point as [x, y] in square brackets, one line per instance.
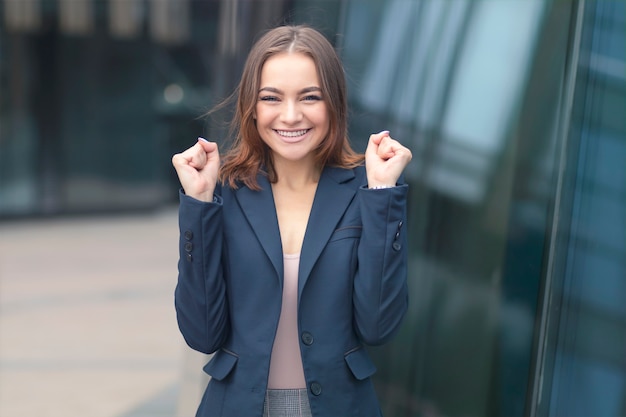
[583, 370]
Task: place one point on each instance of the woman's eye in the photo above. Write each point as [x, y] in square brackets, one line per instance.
[312, 98]
[268, 98]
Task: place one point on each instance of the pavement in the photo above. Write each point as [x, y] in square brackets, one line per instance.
[87, 320]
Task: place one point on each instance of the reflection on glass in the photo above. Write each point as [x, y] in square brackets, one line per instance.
[170, 20]
[585, 363]
[22, 15]
[468, 86]
[125, 17]
[76, 18]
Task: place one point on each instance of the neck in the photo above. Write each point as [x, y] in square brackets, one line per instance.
[297, 175]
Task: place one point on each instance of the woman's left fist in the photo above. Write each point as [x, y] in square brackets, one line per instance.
[385, 159]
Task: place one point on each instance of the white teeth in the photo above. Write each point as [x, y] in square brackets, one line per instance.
[291, 134]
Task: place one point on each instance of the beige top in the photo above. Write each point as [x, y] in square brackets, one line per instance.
[286, 363]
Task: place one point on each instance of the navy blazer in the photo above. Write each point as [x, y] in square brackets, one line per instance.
[351, 291]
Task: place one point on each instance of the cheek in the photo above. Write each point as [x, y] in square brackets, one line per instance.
[321, 117]
[263, 116]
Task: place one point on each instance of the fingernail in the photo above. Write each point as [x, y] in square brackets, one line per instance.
[384, 131]
[203, 139]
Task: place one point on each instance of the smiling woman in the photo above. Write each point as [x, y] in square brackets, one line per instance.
[291, 115]
[293, 254]
[325, 77]
[516, 214]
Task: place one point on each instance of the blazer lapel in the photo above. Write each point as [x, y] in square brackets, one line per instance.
[260, 210]
[334, 194]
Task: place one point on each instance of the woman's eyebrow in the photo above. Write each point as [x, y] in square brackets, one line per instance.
[278, 91]
[310, 89]
[271, 90]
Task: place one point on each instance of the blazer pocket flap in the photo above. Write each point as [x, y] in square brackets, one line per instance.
[360, 364]
[346, 232]
[220, 365]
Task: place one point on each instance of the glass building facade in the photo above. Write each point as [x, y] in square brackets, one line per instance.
[516, 115]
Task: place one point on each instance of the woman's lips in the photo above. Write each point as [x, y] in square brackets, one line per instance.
[292, 135]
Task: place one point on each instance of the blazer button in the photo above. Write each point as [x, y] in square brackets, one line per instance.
[396, 246]
[188, 246]
[307, 338]
[316, 388]
[188, 234]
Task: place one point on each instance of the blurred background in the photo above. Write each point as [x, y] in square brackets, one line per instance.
[515, 111]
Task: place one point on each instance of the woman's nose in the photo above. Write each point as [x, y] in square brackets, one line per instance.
[291, 112]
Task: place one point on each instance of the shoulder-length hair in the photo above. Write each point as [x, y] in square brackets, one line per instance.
[249, 155]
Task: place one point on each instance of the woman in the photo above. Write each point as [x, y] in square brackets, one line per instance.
[292, 251]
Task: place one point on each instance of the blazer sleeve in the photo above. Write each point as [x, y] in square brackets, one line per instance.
[200, 295]
[380, 289]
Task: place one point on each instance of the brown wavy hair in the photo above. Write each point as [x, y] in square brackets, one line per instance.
[248, 154]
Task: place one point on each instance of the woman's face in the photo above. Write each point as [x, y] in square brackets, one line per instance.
[291, 114]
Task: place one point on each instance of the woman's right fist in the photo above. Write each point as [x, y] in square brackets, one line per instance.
[197, 169]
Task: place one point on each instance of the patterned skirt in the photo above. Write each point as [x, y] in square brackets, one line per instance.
[286, 403]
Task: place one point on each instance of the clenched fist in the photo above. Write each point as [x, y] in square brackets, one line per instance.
[197, 169]
[385, 159]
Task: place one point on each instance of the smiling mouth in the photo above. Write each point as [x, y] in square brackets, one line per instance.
[292, 133]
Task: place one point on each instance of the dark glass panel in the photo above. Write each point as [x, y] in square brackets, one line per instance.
[583, 371]
[476, 90]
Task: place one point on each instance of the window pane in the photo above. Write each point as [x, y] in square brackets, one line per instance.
[584, 367]
[474, 88]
